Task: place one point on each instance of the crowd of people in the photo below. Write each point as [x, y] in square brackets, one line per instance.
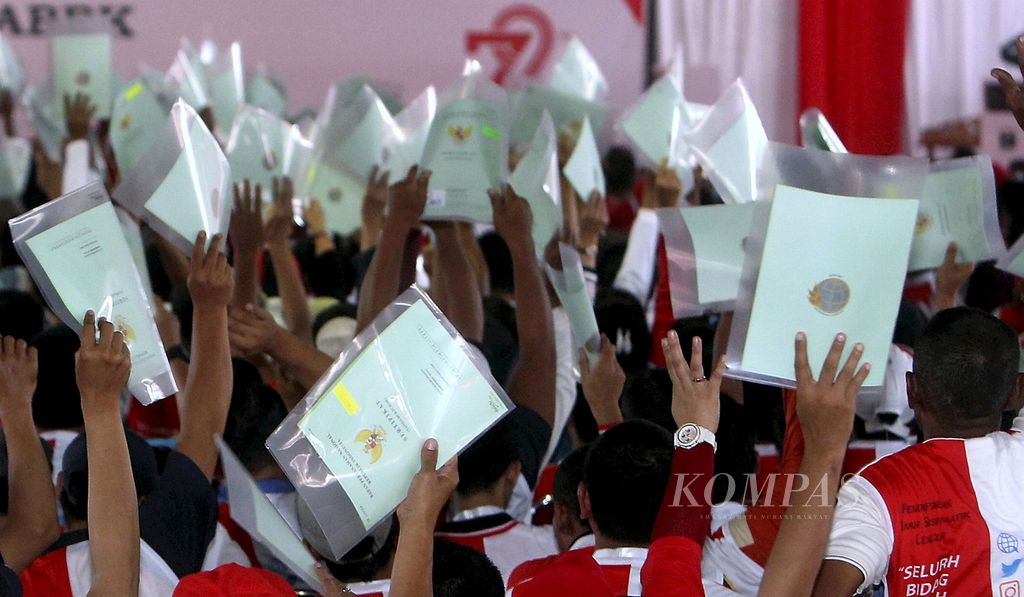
[622, 474]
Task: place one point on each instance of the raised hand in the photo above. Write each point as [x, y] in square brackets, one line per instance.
[252, 330]
[78, 113]
[593, 220]
[210, 279]
[407, 199]
[668, 189]
[949, 279]
[375, 200]
[246, 229]
[278, 226]
[695, 398]
[429, 489]
[603, 383]
[512, 217]
[102, 367]
[49, 173]
[825, 407]
[1014, 91]
[316, 221]
[18, 372]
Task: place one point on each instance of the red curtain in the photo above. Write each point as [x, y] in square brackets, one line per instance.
[851, 67]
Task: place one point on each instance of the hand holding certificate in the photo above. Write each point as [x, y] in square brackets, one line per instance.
[180, 187]
[82, 64]
[80, 261]
[353, 444]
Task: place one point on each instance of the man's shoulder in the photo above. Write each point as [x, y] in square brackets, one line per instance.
[573, 563]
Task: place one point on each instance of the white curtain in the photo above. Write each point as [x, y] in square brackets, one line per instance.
[951, 47]
[725, 39]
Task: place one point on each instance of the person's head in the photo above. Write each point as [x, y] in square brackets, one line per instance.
[490, 466]
[74, 476]
[624, 479]
[256, 410]
[21, 315]
[499, 263]
[56, 403]
[334, 328]
[621, 317]
[619, 170]
[369, 560]
[567, 522]
[965, 374]
[461, 571]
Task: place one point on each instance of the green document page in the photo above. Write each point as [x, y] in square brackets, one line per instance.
[736, 156]
[653, 122]
[819, 275]
[951, 210]
[15, 161]
[255, 148]
[90, 265]
[82, 64]
[135, 121]
[571, 288]
[412, 382]
[719, 234]
[340, 195]
[583, 170]
[536, 179]
[266, 93]
[465, 154]
[362, 147]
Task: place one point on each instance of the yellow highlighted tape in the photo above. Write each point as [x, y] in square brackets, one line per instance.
[132, 91]
[345, 398]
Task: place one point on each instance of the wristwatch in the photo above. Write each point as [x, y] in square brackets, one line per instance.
[689, 435]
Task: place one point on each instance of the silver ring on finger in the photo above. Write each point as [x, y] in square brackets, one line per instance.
[699, 379]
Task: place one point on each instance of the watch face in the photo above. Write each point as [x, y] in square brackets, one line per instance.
[687, 434]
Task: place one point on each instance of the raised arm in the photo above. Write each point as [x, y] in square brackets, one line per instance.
[1013, 91]
[208, 390]
[253, 332]
[32, 510]
[246, 237]
[825, 408]
[949, 279]
[603, 384]
[463, 302]
[102, 369]
[533, 383]
[289, 282]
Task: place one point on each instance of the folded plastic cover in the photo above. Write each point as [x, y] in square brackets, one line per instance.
[12, 74]
[654, 122]
[958, 205]
[571, 288]
[817, 132]
[404, 142]
[467, 149]
[355, 139]
[75, 251]
[340, 195]
[181, 185]
[185, 79]
[810, 267]
[705, 247]
[15, 162]
[268, 93]
[583, 168]
[728, 143]
[225, 86]
[536, 179]
[136, 120]
[254, 512]
[47, 122]
[81, 57]
[576, 73]
[262, 147]
[528, 107]
[352, 445]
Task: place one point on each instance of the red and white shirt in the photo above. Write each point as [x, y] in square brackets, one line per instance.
[494, 533]
[945, 517]
[67, 572]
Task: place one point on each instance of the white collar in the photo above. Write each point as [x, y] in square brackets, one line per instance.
[479, 512]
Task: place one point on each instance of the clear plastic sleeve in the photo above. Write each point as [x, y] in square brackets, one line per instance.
[816, 132]
[843, 266]
[75, 251]
[467, 149]
[267, 93]
[659, 109]
[705, 247]
[12, 74]
[352, 445]
[728, 143]
[262, 147]
[565, 110]
[81, 59]
[136, 120]
[15, 163]
[583, 168]
[355, 139]
[576, 73]
[184, 79]
[571, 288]
[536, 179]
[225, 86]
[47, 122]
[182, 183]
[403, 145]
[958, 204]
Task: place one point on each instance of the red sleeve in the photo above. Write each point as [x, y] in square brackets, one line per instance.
[663, 316]
[686, 506]
[672, 569]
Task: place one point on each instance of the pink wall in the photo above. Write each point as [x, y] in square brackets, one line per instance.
[310, 44]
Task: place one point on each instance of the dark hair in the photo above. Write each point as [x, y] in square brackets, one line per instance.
[621, 317]
[461, 571]
[21, 315]
[74, 495]
[362, 563]
[487, 459]
[647, 395]
[499, 262]
[568, 476]
[56, 403]
[626, 473]
[256, 410]
[736, 456]
[965, 364]
[619, 169]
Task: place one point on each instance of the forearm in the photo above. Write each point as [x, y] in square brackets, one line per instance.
[534, 383]
[686, 505]
[411, 575]
[302, 359]
[292, 291]
[246, 284]
[208, 389]
[803, 537]
[113, 508]
[382, 280]
[463, 302]
[32, 515]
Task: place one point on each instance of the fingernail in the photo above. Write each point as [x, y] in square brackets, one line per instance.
[858, 347]
[801, 336]
[431, 445]
[867, 366]
[664, 342]
[841, 337]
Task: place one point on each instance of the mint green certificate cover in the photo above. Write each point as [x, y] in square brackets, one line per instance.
[135, 121]
[952, 209]
[820, 273]
[363, 147]
[90, 266]
[536, 179]
[82, 64]
[256, 148]
[15, 161]
[267, 94]
[571, 288]
[719, 234]
[653, 121]
[735, 157]
[564, 109]
[412, 382]
[583, 169]
[340, 195]
[464, 152]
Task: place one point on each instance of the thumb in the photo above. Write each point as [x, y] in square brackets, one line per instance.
[950, 258]
[1005, 79]
[428, 456]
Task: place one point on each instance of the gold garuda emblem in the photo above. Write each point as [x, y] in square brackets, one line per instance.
[372, 441]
